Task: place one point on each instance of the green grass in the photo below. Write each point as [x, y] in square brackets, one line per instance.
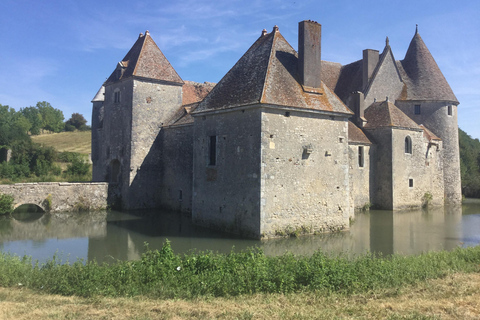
[164, 274]
[78, 141]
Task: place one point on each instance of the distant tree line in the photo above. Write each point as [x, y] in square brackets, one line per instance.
[30, 160]
[469, 164]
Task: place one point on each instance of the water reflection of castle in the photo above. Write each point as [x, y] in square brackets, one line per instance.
[122, 236]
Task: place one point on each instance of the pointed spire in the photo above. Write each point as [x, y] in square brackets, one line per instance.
[425, 80]
[145, 60]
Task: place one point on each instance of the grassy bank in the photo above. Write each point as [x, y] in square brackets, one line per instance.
[455, 296]
[78, 141]
[163, 274]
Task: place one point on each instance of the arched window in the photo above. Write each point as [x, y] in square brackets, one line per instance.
[408, 144]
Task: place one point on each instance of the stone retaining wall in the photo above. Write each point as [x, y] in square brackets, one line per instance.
[59, 196]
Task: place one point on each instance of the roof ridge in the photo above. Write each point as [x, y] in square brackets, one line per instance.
[141, 51]
[270, 61]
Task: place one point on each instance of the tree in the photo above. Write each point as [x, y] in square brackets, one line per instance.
[34, 117]
[77, 121]
[13, 126]
[52, 119]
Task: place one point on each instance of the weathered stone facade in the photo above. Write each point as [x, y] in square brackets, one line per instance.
[280, 144]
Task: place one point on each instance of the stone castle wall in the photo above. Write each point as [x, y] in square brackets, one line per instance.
[305, 179]
[434, 115]
[226, 196]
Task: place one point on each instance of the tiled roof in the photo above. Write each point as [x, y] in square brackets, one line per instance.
[350, 80]
[386, 114]
[194, 92]
[330, 73]
[422, 76]
[145, 60]
[356, 135]
[267, 74]
[429, 134]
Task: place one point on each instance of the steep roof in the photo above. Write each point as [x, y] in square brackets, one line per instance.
[386, 114]
[356, 135]
[429, 135]
[422, 75]
[267, 74]
[145, 60]
[194, 92]
[350, 80]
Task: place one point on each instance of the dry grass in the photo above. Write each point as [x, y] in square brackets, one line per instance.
[455, 297]
[78, 141]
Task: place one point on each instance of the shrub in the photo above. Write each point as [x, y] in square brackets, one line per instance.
[6, 203]
[78, 167]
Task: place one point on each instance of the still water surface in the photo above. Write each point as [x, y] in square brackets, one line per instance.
[109, 236]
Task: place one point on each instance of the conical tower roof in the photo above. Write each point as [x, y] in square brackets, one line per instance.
[424, 79]
[267, 74]
[145, 60]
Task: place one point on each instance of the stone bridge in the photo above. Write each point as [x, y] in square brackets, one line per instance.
[59, 196]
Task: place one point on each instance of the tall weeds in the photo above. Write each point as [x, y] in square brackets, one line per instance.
[164, 274]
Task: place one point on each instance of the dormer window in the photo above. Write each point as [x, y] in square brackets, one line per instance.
[417, 109]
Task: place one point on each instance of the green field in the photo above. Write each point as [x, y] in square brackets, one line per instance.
[78, 141]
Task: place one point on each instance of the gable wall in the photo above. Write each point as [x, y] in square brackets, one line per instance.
[385, 84]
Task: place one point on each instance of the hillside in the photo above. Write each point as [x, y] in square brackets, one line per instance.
[78, 141]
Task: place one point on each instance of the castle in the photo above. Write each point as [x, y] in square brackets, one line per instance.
[285, 141]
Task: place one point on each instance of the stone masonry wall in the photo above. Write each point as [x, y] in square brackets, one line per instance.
[424, 166]
[226, 196]
[305, 179]
[177, 168]
[360, 176]
[434, 115]
[153, 103]
[59, 196]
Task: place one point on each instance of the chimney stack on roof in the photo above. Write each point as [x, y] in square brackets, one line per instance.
[147, 33]
[309, 53]
[370, 61]
[264, 32]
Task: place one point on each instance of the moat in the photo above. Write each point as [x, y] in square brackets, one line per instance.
[108, 236]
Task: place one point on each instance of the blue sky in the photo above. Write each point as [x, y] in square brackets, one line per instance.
[62, 51]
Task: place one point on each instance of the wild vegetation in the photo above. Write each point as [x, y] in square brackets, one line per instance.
[164, 274]
[30, 161]
[469, 164]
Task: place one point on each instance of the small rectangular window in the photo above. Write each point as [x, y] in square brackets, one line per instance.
[410, 183]
[450, 110]
[360, 157]
[212, 154]
[117, 97]
[180, 195]
[417, 109]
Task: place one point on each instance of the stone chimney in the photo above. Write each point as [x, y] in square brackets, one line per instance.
[358, 100]
[370, 61]
[309, 53]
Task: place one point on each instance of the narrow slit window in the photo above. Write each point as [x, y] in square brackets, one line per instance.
[180, 195]
[450, 110]
[410, 183]
[212, 154]
[361, 157]
[408, 145]
[417, 109]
